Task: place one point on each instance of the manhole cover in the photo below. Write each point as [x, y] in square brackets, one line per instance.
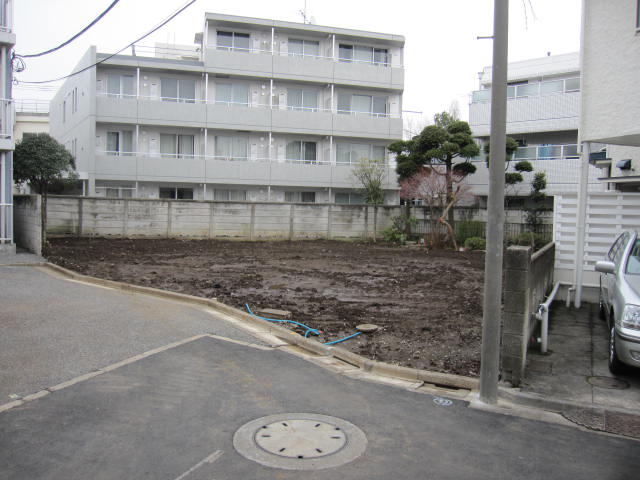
[608, 382]
[300, 441]
[300, 438]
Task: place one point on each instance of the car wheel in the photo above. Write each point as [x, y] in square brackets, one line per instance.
[615, 365]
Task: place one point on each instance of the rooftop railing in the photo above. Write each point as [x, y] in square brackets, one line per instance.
[565, 85]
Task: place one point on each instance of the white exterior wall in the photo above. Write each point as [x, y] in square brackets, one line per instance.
[30, 123]
[610, 73]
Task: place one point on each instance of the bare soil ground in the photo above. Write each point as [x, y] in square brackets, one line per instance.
[428, 303]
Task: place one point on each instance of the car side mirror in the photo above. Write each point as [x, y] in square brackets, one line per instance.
[605, 266]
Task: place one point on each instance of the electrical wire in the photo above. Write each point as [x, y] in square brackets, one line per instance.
[162, 24]
[51, 50]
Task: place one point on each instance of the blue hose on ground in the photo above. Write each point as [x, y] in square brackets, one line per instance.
[308, 331]
[343, 339]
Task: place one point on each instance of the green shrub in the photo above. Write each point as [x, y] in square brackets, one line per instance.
[396, 233]
[469, 228]
[393, 235]
[475, 243]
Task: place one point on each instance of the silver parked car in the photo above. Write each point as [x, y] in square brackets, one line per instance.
[620, 300]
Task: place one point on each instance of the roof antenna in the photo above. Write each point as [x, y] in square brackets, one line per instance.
[304, 13]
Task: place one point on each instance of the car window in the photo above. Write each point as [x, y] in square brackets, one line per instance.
[633, 264]
[614, 248]
[622, 246]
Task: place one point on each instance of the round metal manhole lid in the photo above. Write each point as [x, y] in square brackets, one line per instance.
[300, 438]
[608, 382]
[300, 441]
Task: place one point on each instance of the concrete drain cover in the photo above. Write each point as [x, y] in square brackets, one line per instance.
[300, 441]
[608, 382]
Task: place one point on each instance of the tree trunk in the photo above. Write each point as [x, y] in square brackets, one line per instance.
[43, 218]
[451, 221]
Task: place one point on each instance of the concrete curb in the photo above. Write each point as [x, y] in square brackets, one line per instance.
[256, 325]
[287, 336]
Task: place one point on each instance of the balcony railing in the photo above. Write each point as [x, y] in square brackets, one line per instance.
[5, 222]
[546, 152]
[6, 118]
[231, 104]
[31, 106]
[565, 85]
[6, 15]
[237, 158]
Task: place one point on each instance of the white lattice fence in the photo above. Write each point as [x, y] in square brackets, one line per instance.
[608, 214]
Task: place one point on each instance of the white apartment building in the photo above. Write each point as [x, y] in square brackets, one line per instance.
[7, 41]
[543, 115]
[257, 110]
[611, 90]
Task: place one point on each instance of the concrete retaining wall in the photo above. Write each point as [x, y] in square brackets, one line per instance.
[27, 229]
[527, 280]
[88, 216]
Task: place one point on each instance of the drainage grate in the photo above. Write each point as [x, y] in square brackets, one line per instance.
[608, 382]
[300, 441]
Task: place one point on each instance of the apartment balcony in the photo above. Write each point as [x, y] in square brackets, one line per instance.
[235, 116]
[316, 68]
[7, 120]
[7, 37]
[239, 171]
[560, 163]
[533, 107]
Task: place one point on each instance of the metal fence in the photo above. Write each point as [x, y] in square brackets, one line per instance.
[466, 229]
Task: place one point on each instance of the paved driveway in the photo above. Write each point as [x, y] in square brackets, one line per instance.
[53, 329]
[173, 416]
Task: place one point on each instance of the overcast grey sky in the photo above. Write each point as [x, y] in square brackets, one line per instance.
[442, 54]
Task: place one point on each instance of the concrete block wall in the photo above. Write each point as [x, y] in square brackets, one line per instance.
[27, 228]
[96, 216]
[527, 280]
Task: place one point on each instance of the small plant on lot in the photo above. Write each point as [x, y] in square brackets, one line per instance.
[469, 228]
[528, 239]
[475, 243]
[396, 232]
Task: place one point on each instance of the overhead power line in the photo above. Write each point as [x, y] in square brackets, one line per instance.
[96, 20]
[162, 24]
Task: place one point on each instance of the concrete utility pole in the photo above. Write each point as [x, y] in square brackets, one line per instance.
[492, 311]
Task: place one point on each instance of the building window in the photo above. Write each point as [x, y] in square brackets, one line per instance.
[356, 53]
[230, 195]
[638, 16]
[352, 153]
[362, 104]
[176, 193]
[64, 111]
[299, 99]
[305, 48]
[298, 151]
[233, 41]
[178, 90]
[180, 146]
[300, 197]
[120, 86]
[74, 100]
[349, 199]
[118, 192]
[232, 94]
[231, 148]
[120, 143]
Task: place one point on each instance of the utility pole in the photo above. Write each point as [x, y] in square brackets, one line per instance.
[492, 311]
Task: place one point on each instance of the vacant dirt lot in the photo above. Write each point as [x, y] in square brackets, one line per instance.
[429, 304]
